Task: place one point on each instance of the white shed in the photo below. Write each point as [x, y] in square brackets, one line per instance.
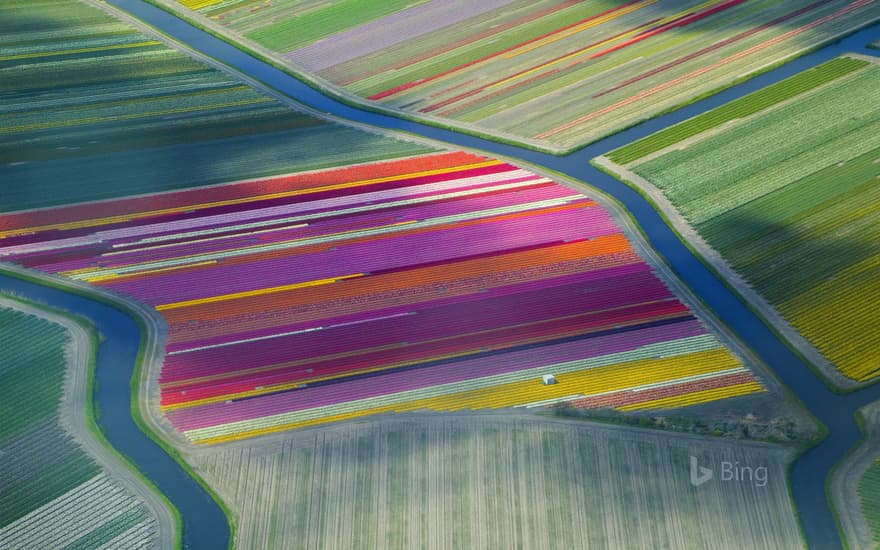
[548, 379]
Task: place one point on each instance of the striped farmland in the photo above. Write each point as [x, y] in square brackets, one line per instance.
[552, 73]
[783, 184]
[445, 281]
[85, 97]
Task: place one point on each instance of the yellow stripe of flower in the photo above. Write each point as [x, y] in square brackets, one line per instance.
[79, 224]
[589, 381]
[33, 55]
[258, 292]
[112, 276]
[199, 4]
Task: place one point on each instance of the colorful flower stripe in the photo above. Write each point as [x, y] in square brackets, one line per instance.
[217, 321]
[547, 38]
[711, 48]
[523, 73]
[703, 70]
[697, 397]
[135, 209]
[446, 281]
[277, 378]
[590, 380]
[672, 389]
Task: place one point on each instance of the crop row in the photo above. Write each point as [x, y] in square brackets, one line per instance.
[559, 72]
[51, 493]
[461, 481]
[443, 281]
[87, 516]
[95, 109]
[738, 108]
[788, 197]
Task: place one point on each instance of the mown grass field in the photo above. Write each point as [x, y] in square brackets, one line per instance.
[93, 109]
[486, 482]
[784, 184]
[552, 72]
[52, 494]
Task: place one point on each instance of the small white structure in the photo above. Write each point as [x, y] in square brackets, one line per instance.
[548, 379]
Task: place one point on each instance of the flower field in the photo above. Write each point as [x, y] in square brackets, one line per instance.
[445, 281]
[553, 72]
[52, 494]
[786, 191]
[85, 97]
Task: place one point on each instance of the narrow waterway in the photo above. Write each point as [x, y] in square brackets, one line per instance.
[204, 526]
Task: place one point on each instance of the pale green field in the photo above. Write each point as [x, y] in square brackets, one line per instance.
[789, 198]
[488, 482]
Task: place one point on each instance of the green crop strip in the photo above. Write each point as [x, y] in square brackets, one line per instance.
[740, 108]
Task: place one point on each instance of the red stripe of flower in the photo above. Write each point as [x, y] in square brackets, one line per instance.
[684, 21]
[412, 84]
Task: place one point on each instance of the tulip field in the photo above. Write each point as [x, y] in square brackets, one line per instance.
[85, 98]
[445, 281]
[556, 73]
[787, 192]
[489, 481]
[52, 494]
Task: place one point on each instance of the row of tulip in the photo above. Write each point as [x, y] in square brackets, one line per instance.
[504, 69]
[447, 280]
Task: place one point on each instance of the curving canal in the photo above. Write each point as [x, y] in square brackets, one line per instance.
[203, 523]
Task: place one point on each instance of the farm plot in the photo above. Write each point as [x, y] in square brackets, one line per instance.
[446, 281]
[855, 486]
[52, 494]
[869, 493]
[467, 481]
[787, 193]
[93, 109]
[555, 73]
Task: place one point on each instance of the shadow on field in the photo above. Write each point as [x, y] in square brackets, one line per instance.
[781, 260]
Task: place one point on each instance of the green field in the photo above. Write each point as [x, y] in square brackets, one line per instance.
[47, 481]
[869, 493]
[738, 108]
[789, 198]
[32, 369]
[485, 482]
[93, 109]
